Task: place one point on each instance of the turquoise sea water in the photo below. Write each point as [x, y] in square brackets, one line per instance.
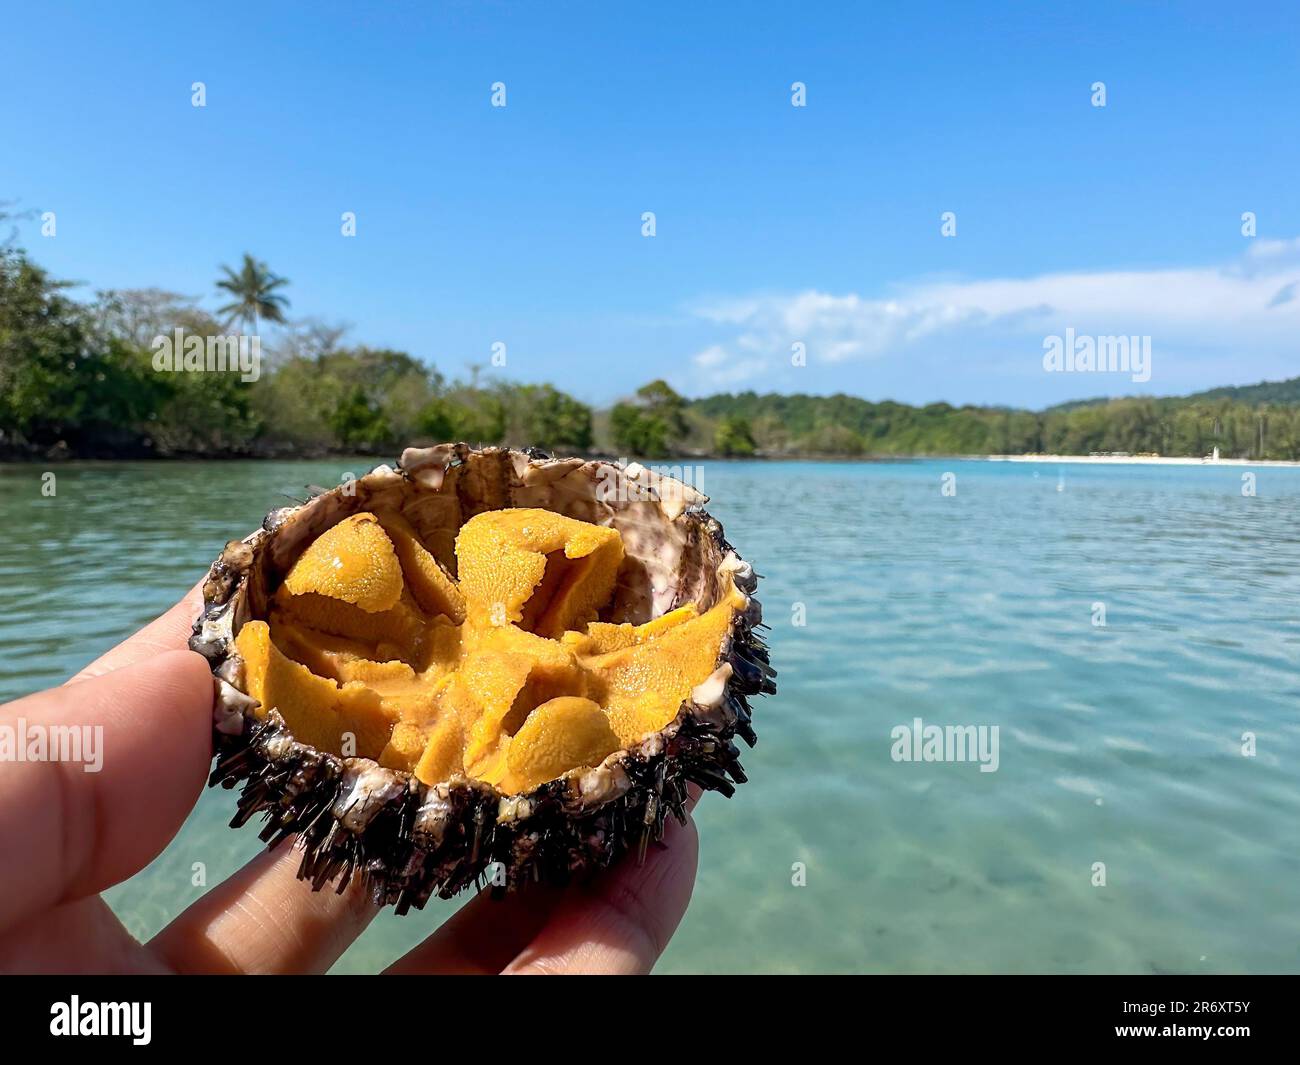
[1119, 744]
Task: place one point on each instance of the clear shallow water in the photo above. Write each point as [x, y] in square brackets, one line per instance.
[1119, 745]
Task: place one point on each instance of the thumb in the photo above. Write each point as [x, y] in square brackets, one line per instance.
[142, 740]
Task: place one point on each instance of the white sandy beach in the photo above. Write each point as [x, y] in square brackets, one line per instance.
[1140, 460]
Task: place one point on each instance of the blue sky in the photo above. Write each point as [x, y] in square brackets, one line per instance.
[774, 224]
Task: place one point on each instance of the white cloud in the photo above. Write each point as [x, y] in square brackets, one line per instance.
[1264, 248]
[723, 370]
[1244, 307]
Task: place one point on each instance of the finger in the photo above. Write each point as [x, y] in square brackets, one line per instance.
[618, 923]
[265, 920]
[621, 922]
[483, 936]
[80, 826]
[487, 934]
[84, 936]
[169, 632]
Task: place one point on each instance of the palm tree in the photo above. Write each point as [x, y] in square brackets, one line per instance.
[255, 296]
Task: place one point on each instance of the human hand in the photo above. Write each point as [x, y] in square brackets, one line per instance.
[66, 835]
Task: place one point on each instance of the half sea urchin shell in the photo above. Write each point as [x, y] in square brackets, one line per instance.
[410, 839]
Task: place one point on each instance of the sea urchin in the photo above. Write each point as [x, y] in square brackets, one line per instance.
[480, 666]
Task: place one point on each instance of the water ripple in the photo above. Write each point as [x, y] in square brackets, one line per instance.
[974, 609]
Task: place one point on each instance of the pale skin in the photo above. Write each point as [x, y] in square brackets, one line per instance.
[67, 835]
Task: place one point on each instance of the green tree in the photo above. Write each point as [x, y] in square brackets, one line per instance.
[59, 380]
[373, 397]
[436, 421]
[8, 218]
[833, 440]
[636, 433]
[553, 419]
[478, 417]
[358, 422]
[659, 400]
[296, 403]
[653, 424]
[734, 437]
[466, 412]
[255, 296]
[139, 315]
[203, 414]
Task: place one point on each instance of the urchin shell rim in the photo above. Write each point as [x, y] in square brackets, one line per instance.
[409, 841]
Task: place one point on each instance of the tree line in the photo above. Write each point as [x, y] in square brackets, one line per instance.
[849, 426]
[79, 377]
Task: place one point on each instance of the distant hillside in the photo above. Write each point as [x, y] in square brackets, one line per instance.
[1274, 393]
[1270, 392]
[1257, 421]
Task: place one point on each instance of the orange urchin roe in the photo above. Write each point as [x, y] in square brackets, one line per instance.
[353, 562]
[372, 649]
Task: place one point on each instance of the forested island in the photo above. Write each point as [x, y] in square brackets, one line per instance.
[81, 378]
